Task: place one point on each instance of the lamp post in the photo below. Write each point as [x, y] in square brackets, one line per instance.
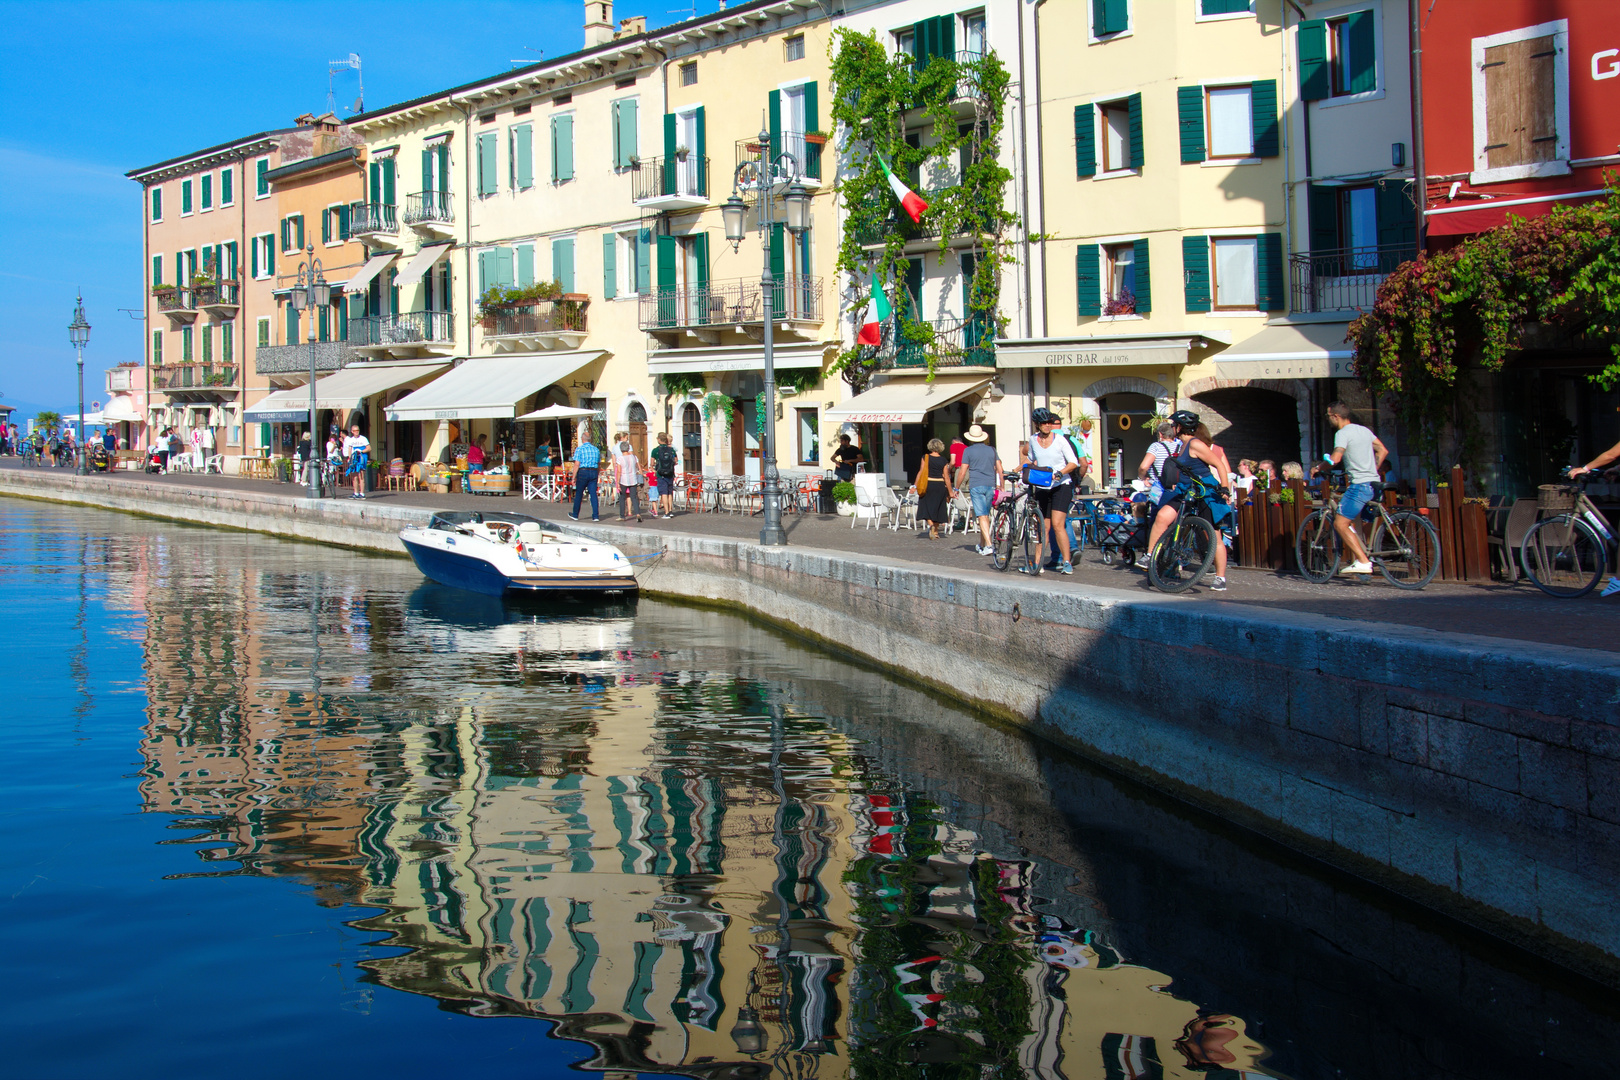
[796, 216]
[311, 293]
[79, 335]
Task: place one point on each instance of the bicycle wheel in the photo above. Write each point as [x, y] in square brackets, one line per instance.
[1317, 547]
[1183, 555]
[1001, 539]
[1407, 553]
[1564, 557]
[1030, 533]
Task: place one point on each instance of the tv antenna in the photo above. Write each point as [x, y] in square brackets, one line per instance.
[539, 55]
[336, 67]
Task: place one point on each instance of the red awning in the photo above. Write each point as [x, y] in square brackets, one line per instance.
[1484, 216]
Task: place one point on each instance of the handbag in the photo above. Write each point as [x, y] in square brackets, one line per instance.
[922, 479]
[1038, 477]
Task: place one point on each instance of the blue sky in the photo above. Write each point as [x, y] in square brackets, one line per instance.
[94, 89]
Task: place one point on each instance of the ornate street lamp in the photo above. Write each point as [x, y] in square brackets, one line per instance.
[311, 293]
[79, 335]
[796, 216]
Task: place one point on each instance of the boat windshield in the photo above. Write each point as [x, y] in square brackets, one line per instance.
[461, 520]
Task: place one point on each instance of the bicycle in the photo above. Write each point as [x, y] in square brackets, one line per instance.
[1565, 556]
[1186, 549]
[1404, 545]
[1017, 521]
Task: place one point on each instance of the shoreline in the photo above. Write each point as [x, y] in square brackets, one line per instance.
[1477, 776]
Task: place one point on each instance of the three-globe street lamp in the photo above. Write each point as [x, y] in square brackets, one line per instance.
[311, 292]
[79, 335]
[796, 215]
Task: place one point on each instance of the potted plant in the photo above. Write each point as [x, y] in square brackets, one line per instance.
[682, 153]
[1085, 422]
[816, 138]
[1123, 304]
[844, 498]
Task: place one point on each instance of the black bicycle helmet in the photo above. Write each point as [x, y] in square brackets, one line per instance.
[1044, 416]
[1185, 421]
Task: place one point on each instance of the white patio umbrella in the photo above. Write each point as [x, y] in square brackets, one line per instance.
[558, 413]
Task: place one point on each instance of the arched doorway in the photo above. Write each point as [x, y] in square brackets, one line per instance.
[1251, 422]
[691, 438]
[636, 424]
[1127, 432]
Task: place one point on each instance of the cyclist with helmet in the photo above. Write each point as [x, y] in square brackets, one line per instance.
[1196, 459]
[1050, 450]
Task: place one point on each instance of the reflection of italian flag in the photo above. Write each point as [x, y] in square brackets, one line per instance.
[872, 330]
[910, 201]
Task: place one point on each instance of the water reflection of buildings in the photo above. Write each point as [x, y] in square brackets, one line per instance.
[554, 821]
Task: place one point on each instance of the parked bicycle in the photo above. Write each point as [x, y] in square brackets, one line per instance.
[1566, 555]
[1404, 546]
[1186, 549]
[1017, 522]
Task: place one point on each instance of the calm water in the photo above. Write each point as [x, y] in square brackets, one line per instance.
[274, 809]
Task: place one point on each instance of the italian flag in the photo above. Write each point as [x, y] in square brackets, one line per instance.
[910, 201]
[872, 330]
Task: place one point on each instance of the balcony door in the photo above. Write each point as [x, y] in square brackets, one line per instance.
[686, 134]
[793, 123]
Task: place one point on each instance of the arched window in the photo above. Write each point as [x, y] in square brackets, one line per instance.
[691, 438]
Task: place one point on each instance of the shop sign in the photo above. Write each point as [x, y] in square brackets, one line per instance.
[1322, 367]
[880, 418]
[1107, 354]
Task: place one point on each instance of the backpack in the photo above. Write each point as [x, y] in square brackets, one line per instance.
[1170, 473]
[664, 459]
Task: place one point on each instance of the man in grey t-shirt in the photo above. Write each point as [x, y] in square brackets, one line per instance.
[1362, 453]
[983, 469]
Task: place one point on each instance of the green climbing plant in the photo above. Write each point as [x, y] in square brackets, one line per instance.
[1474, 305]
[887, 107]
[679, 384]
[717, 404]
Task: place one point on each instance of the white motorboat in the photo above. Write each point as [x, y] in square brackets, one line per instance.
[498, 554]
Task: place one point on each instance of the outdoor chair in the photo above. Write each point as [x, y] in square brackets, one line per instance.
[960, 510]
[1507, 529]
[897, 509]
[864, 507]
[396, 477]
[694, 492]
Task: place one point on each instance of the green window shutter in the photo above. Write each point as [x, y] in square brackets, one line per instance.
[227, 342]
[1323, 204]
[227, 178]
[393, 290]
[207, 180]
[230, 259]
[666, 182]
[667, 252]
[1363, 52]
[185, 196]
[374, 187]
[778, 266]
[1144, 277]
[343, 222]
[486, 273]
[644, 261]
[427, 168]
[157, 346]
[1085, 141]
[486, 163]
[562, 263]
[1396, 224]
[253, 255]
[504, 275]
[444, 168]
[1273, 288]
[207, 333]
[1263, 108]
[300, 228]
[263, 178]
[700, 252]
[626, 132]
[1223, 7]
[523, 155]
[700, 122]
[286, 234]
[185, 345]
[292, 325]
[1087, 281]
[1311, 51]
[525, 264]
[1195, 271]
[812, 122]
[157, 269]
[157, 204]
[343, 321]
[1109, 17]
[388, 182]
[773, 105]
[1134, 107]
[562, 148]
[1190, 107]
[610, 270]
[326, 226]
[269, 256]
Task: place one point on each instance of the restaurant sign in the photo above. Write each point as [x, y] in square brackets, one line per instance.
[1104, 354]
[1318, 367]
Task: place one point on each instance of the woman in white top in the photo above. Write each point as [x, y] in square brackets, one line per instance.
[1049, 449]
[628, 469]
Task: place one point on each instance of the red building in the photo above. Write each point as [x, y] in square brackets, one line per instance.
[1521, 108]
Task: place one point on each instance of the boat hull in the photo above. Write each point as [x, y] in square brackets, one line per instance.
[468, 571]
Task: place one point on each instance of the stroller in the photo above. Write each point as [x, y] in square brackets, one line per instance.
[1119, 530]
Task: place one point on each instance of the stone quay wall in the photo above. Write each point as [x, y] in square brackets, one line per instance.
[1478, 776]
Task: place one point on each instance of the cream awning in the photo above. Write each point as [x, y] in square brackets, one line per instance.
[906, 401]
[420, 263]
[373, 267]
[489, 387]
[342, 391]
[1290, 351]
[792, 354]
[120, 410]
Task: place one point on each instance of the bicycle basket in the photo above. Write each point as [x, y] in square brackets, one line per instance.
[1555, 497]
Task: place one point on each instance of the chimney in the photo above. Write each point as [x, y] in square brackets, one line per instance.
[598, 22]
[636, 24]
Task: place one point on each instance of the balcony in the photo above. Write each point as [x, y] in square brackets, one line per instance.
[806, 150]
[428, 212]
[406, 335]
[221, 300]
[957, 343]
[544, 324]
[677, 183]
[180, 305]
[967, 89]
[375, 223]
[705, 311]
[294, 359]
[195, 382]
[1343, 280]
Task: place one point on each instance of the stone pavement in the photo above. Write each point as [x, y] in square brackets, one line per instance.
[1519, 612]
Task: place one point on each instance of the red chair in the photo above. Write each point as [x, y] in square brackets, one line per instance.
[694, 492]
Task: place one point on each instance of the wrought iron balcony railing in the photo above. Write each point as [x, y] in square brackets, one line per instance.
[541, 318]
[681, 180]
[406, 328]
[220, 294]
[1346, 279]
[366, 219]
[956, 343]
[805, 148]
[427, 208]
[796, 298]
[192, 376]
[177, 300]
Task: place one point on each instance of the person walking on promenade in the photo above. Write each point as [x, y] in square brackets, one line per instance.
[846, 458]
[306, 456]
[587, 460]
[663, 459]
[1050, 450]
[981, 473]
[1362, 454]
[196, 449]
[934, 487]
[357, 451]
[627, 468]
